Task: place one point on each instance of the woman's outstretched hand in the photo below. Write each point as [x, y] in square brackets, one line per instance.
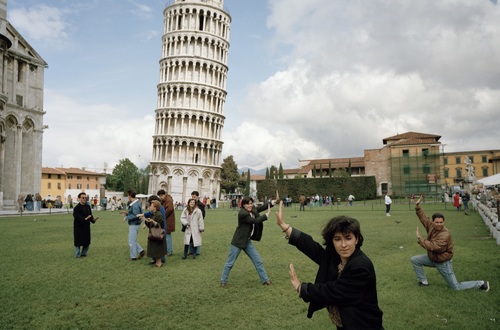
[279, 217]
[294, 279]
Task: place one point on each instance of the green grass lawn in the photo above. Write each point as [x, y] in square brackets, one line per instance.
[42, 285]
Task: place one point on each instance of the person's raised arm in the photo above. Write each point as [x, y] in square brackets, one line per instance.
[286, 228]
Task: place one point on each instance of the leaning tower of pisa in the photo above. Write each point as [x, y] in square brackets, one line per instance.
[187, 140]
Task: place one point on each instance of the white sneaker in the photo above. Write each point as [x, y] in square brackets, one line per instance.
[388, 214]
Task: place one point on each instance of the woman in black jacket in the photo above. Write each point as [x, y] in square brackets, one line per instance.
[345, 283]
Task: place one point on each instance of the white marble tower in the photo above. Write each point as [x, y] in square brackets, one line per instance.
[187, 141]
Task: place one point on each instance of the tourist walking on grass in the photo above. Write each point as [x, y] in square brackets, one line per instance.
[134, 223]
[250, 228]
[82, 218]
[457, 201]
[192, 221]
[302, 202]
[439, 246]
[38, 201]
[168, 204]
[345, 283]
[150, 214]
[201, 205]
[156, 249]
[388, 202]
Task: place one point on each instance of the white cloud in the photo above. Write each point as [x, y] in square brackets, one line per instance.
[357, 72]
[87, 135]
[40, 22]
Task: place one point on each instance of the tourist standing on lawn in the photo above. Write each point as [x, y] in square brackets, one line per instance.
[346, 282]
[82, 217]
[388, 202]
[439, 246]
[192, 220]
[250, 227]
[134, 223]
[156, 249]
[168, 204]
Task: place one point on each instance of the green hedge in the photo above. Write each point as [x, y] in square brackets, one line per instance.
[363, 187]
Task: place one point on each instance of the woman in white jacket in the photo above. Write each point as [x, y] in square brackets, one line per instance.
[192, 221]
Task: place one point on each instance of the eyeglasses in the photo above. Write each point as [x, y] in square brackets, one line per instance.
[83, 197]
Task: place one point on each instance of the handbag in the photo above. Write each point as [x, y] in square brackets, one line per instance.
[156, 234]
[183, 229]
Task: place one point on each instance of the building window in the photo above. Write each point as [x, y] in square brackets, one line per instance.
[96, 178]
[49, 176]
[78, 186]
[96, 186]
[459, 172]
[88, 186]
[70, 177]
[88, 178]
[406, 153]
[19, 100]
[484, 159]
[457, 160]
[471, 159]
[425, 152]
[406, 169]
[446, 173]
[426, 169]
[78, 177]
[59, 185]
[69, 186]
[49, 185]
[59, 176]
[485, 171]
[445, 160]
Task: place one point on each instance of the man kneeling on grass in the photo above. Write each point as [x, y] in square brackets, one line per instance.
[439, 246]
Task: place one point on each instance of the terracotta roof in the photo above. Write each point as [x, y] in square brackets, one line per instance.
[405, 142]
[74, 170]
[412, 136]
[50, 170]
[338, 162]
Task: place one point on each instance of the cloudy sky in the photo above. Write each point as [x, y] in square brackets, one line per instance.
[307, 79]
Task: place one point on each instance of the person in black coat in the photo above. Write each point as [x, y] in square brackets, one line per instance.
[250, 227]
[82, 215]
[345, 283]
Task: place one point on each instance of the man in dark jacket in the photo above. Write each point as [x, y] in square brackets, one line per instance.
[82, 215]
[250, 227]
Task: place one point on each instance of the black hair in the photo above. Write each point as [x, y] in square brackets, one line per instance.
[246, 200]
[344, 225]
[437, 215]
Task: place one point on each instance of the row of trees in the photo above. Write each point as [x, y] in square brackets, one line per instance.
[126, 175]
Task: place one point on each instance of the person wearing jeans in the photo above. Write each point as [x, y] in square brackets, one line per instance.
[250, 227]
[134, 223]
[439, 246]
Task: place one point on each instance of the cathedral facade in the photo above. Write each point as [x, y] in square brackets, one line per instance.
[21, 114]
[187, 140]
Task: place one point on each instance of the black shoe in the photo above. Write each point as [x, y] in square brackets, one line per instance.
[194, 257]
[485, 286]
[142, 254]
[267, 283]
[133, 259]
[423, 284]
[183, 257]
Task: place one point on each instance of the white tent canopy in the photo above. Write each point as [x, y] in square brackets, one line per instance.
[490, 180]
